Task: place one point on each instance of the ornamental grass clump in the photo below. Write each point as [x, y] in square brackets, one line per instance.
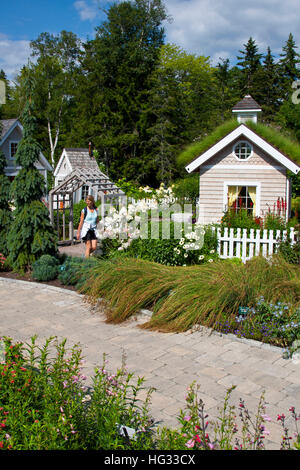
[181, 297]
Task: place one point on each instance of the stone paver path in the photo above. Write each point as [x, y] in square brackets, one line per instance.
[169, 362]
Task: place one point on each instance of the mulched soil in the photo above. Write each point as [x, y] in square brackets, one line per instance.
[27, 277]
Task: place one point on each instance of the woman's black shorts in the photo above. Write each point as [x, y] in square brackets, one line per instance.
[90, 235]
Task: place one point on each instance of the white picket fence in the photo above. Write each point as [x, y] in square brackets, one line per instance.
[244, 246]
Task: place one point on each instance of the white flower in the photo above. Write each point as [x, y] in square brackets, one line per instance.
[212, 251]
[201, 257]
[185, 255]
[210, 260]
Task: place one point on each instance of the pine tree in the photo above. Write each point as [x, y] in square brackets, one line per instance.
[227, 93]
[250, 64]
[5, 212]
[268, 92]
[31, 234]
[289, 65]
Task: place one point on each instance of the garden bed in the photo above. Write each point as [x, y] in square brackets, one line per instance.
[28, 277]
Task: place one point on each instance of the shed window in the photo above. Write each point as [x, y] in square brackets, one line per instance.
[242, 198]
[13, 149]
[85, 192]
[243, 150]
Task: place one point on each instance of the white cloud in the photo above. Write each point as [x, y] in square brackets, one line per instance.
[87, 10]
[219, 28]
[13, 55]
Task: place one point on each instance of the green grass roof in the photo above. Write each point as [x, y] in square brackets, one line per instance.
[281, 142]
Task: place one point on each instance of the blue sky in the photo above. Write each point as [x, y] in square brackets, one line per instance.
[215, 28]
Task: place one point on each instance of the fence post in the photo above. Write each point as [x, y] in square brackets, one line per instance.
[219, 241]
[231, 243]
[292, 236]
[238, 244]
[244, 246]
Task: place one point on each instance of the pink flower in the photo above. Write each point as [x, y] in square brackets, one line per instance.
[266, 418]
[190, 443]
[187, 418]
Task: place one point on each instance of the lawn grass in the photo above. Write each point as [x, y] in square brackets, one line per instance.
[181, 297]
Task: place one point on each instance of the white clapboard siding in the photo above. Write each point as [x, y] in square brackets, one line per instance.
[245, 246]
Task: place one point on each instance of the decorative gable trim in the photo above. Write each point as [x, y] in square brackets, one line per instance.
[63, 157]
[243, 131]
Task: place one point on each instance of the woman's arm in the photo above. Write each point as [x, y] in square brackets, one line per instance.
[80, 225]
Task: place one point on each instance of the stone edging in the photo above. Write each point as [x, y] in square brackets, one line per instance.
[40, 285]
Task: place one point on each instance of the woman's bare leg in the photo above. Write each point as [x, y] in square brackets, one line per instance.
[88, 247]
[94, 245]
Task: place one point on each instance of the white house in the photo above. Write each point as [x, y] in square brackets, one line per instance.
[243, 171]
[70, 160]
[10, 136]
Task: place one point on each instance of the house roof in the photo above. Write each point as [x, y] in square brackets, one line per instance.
[246, 104]
[8, 125]
[243, 131]
[78, 158]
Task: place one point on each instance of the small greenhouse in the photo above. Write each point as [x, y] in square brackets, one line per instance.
[61, 199]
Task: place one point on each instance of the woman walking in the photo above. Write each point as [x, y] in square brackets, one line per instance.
[88, 222]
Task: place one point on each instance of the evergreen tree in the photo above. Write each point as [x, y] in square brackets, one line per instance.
[289, 65]
[31, 234]
[268, 92]
[5, 213]
[227, 90]
[250, 64]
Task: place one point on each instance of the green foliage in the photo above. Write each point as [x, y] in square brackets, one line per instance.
[75, 271]
[31, 234]
[187, 187]
[5, 213]
[45, 405]
[291, 253]
[45, 268]
[240, 219]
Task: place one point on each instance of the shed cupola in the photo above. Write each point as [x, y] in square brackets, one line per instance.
[246, 110]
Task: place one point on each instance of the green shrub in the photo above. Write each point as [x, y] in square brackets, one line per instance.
[75, 271]
[291, 253]
[45, 268]
[240, 219]
[187, 187]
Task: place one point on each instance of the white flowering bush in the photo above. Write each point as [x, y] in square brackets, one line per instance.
[143, 228]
